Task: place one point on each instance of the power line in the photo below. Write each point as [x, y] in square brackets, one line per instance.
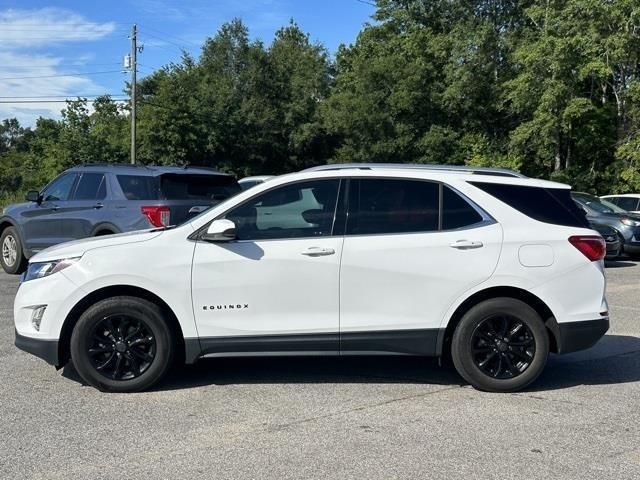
[36, 67]
[93, 95]
[182, 40]
[49, 101]
[80, 74]
[180, 47]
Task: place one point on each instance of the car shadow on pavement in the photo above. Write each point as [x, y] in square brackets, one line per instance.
[330, 369]
[613, 360]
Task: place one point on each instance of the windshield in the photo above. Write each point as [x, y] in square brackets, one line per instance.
[598, 205]
[612, 206]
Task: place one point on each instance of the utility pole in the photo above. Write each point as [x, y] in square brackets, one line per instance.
[134, 67]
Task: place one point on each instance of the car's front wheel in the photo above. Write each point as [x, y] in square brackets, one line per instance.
[500, 345]
[11, 255]
[122, 344]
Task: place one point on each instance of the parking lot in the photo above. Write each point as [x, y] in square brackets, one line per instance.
[329, 417]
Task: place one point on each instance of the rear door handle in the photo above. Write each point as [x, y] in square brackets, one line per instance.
[98, 206]
[318, 252]
[466, 245]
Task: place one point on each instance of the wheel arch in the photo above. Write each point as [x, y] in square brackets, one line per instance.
[103, 228]
[186, 351]
[541, 308]
[6, 222]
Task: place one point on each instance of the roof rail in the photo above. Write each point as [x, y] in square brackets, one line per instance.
[502, 172]
[106, 164]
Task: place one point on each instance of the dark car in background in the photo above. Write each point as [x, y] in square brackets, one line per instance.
[625, 224]
[93, 200]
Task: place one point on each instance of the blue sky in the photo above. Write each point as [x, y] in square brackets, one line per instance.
[86, 40]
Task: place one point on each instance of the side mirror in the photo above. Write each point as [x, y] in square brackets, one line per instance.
[220, 231]
[33, 196]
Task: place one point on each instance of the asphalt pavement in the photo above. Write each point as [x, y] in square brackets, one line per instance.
[360, 418]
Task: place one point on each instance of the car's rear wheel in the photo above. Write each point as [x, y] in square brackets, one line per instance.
[500, 345]
[11, 255]
[122, 344]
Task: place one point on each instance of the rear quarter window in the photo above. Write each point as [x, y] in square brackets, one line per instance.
[198, 187]
[137, 187]
[548, 205]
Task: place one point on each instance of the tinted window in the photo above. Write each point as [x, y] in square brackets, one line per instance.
[456, 211]
[90, 187]
[548, 205]
[626, 203]
[392, 206]
[137, 187]
[303, 209]
[60, 188]
[198, 187]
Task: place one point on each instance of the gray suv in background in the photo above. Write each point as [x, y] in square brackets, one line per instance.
[93, 200]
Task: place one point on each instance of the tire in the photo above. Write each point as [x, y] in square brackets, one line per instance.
[510, 365]
[11, 255]
[126, 335]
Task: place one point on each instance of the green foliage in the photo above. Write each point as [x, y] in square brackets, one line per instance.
[547, 87]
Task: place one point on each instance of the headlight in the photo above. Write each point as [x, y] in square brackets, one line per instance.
[630, 222]
[44, 269]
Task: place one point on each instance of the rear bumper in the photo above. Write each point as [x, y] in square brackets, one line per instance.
[575, 336]
[44, 349]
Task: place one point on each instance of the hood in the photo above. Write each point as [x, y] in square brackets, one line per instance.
[16, 207]
[602, 229]
[77, 248]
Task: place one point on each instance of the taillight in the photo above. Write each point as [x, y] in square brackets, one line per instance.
[591, 246]
[158, 216]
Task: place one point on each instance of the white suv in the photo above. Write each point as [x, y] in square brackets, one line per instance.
[495, 270]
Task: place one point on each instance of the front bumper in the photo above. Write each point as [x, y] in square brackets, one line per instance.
[42, 348]
[574, 336]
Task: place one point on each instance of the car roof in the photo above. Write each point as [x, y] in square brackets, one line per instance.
[428, 172]
[630, 195]
[144, 170]
[501, 172]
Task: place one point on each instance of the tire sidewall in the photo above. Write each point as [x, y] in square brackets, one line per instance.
[18, 266]
[462, 342]
[134, 307]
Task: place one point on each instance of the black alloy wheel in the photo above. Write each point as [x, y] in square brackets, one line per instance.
[503, 346]
[500, 345]
[121, 347]
[123, 344]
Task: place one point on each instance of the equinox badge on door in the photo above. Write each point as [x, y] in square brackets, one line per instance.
[239, 306]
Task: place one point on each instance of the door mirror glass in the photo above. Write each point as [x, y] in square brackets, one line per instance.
[220, 231]
[33, 196]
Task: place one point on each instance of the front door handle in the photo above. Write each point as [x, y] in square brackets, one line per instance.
[98, 206]
[55, 208]
[318, 252]
[466, 245]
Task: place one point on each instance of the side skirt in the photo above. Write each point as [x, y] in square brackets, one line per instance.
[422, 342]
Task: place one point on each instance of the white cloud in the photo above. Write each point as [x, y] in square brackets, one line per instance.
[35, 28]
[25, 37]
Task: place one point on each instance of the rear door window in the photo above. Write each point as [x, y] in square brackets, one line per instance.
[548, 205]
[137, 187]
[198, 187]
[90, 187]
[393, 206]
